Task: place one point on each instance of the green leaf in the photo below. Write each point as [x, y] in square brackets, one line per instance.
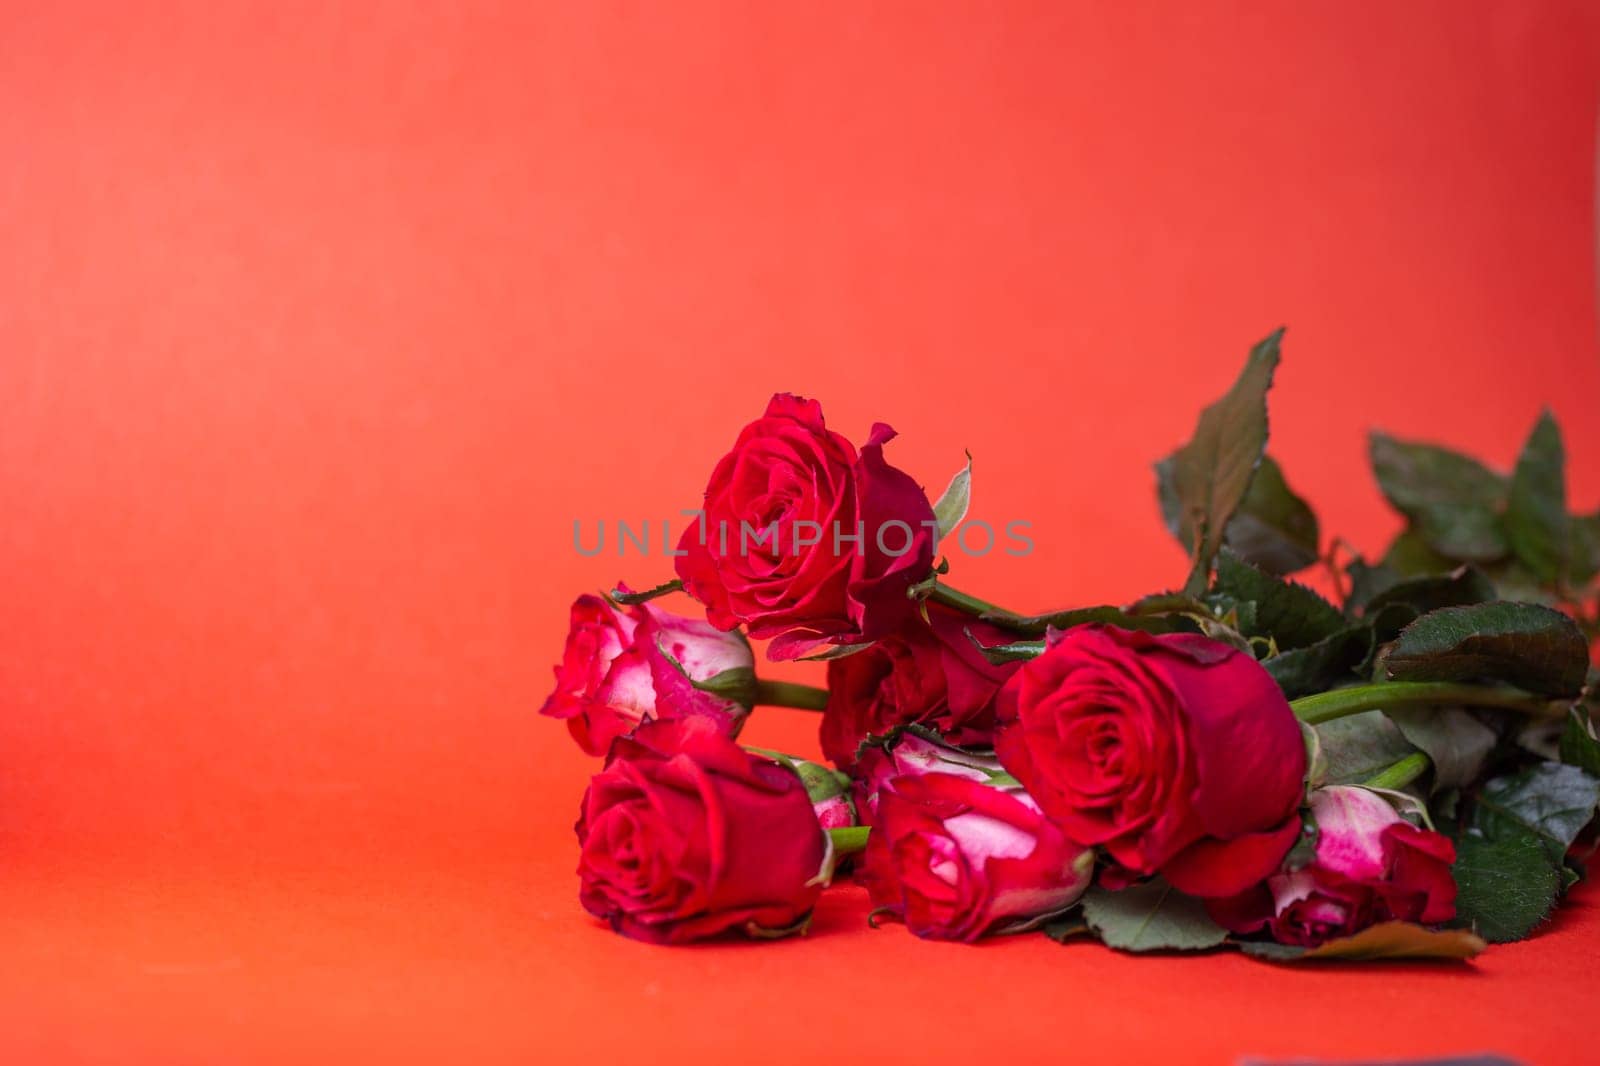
[1578, 744]
[1583, 549]
[1452, 500]
[1152, 916]
[1386, 940]
[1359, 745]
[1077, 616]
[1290, 613]
[952, 506]
[1551, 800]
[1367, 581]
[1536, 507]
[1320, 666]
[1212, 473]
[1455, 742]
[1273, 528]
[1015, 652]
[1067, 927]
[1505, 886]
[1461, 587]
[1411, 556]
[628, 598]
[1533, 647]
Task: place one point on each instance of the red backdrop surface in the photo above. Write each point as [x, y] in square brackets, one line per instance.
[321, 324]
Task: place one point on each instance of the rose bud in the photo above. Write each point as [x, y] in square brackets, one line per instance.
[1370, 865]
[685, 834]
[624, 665]
[830, 794]
[927, 672]
[911, 754]
[803, 539]
[956, 858]
[1178, 754]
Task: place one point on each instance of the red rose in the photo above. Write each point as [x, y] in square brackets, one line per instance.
[926, 672]
[1370, 866]
[1177, 754]
[685, 835]
[804, 540]
[625, 665]
[957, 858]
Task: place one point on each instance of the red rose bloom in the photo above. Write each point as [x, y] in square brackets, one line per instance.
[1370, 866]
[623, 666]
[926, 672]
[685, 835]
[1177, 754]
[803, 539]
[957, 858]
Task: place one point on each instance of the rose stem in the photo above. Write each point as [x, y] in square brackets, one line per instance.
[1401, 773]
[791, 694]
[1326, 706]
[961, 601]
[849, 839]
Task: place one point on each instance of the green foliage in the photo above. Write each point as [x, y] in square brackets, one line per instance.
[1453, 500]
[1273, 528]
[1211, 474]
[1536, 507]
[1291, 614]
[1522, 644]
[951, 507]
[1386, 940]
[1505, 886]
[1152, 916]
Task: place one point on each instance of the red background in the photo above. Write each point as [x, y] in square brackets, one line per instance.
[320, 324]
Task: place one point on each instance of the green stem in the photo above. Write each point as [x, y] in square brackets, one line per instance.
[850, 839]
[1326, 706]
[791, 694]
[961, 601]
[1401, 773]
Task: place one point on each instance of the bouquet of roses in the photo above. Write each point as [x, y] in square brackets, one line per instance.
[1410, 771]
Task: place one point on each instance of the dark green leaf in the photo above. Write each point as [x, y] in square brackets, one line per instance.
[1386, 940]
[1016, 651]
[1550, 800]
[1513, 581]
[1367, 581]
[1460, 588]
[1583, 549]
[1410, 556]
[1359, 745]
[1452, 500]
[1152, 916]
[1077, 616]
[1578, 745]
[1504, 886]
[1320, 666]
[1068, 927]
[1536, 506]
[1533, 647]
[628, 598]
[1290, 613]
[952, 506]
[1212, 473]
[1273, 528]
[1455, 742]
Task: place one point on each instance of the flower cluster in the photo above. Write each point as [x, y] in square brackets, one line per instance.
[1239, 762]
